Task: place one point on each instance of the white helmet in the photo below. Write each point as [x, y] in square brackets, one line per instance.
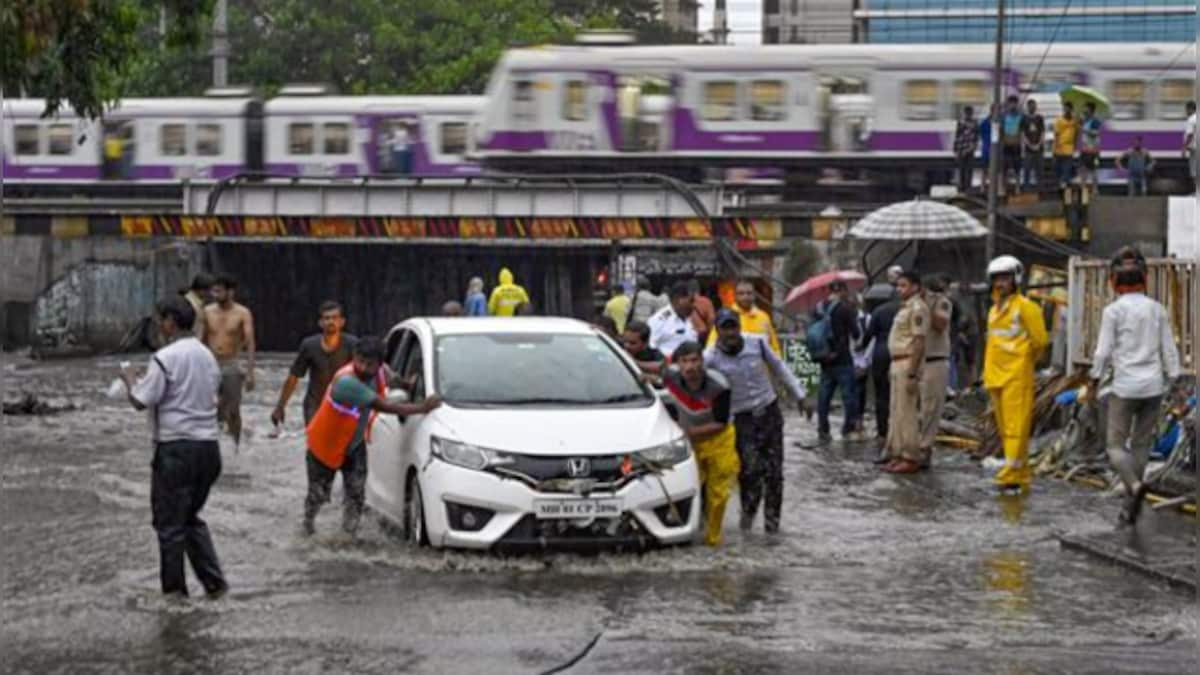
[1006, 264]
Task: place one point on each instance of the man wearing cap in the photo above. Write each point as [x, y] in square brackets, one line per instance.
[744, 360]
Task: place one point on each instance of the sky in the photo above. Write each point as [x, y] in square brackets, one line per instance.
[745, 20]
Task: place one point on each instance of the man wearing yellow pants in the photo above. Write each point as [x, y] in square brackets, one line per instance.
[1015, 340]
[700, 402]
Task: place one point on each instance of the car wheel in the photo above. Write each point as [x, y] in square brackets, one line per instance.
[414, 515]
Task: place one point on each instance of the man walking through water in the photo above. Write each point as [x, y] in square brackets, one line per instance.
[180, 390]
[319, 357]
[747, 362]
[1137, 342]
[700, 403]
[337, 432]
[229, 331]
[1016, 338]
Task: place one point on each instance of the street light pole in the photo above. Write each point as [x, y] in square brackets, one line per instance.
[994, 158]
[220, 47]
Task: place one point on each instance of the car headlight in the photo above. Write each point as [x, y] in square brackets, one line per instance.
[466, 455]
[667, 454]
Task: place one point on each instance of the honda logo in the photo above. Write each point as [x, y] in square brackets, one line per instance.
[578, 467]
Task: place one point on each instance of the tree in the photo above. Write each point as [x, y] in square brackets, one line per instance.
[80, 51]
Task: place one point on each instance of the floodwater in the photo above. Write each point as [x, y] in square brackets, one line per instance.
[873, 573]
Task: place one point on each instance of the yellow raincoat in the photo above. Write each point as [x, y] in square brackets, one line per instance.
[1015, 341]
[755, 322]
[507, 296]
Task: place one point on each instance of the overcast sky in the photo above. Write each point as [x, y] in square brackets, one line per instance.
[745, 20]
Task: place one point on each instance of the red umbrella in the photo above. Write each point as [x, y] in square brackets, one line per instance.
[812, 292]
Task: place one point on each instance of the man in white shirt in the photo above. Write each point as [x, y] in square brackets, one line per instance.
[1136, 341]
[179, 389]
[671, 326]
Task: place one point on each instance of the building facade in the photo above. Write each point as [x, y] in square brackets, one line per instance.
[940, 21]
[808, 21]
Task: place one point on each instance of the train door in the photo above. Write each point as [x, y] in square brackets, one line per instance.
[254, 137]
[643, 106]
[118, 149]
[842, 105]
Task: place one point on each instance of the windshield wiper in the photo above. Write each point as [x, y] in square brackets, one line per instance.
[537, 401]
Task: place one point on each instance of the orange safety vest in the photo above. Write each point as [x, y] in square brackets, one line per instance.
[333, 426]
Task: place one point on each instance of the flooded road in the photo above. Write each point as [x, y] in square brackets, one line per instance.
[873, 573]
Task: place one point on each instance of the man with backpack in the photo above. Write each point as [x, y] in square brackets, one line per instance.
[828, 340]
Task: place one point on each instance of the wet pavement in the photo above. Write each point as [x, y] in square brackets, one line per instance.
[873, 573]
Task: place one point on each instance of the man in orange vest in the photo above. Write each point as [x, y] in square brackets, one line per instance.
[338, 431]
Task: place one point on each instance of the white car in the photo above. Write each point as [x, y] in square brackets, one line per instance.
[547, 438]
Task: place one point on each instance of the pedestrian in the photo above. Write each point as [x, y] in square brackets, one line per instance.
[699, 400]
[229, 331]
[1016, 339]
[906, 344]
[1033, 131]
[645, 303]
[319, 357]
[617, 307]
[507, 296]
[636, 340]
[986, 125]
[1189, 142]
[452, 308]
[179, 388]
[837, 369]
[475, 302]
[748, 364]
[671, 326]
[966, 141]
[337, 430]
[935, 375]
[1136, 341]
[860, 355]
[754, 320]
[1089, 147]
[1138, 164]
[400, 145]
[1066, 133]
[879, 328]
[605, 324]
[959, 343]
[199, 295]
[703, 312]
[1011, 126]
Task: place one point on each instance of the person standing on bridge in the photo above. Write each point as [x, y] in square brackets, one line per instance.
[1066, 132]
[1033, 130]
[229, 331]
[966, 140]
[179, 389]
[319, 357]
[507, 296]
[1137, 342]
[1016, 338]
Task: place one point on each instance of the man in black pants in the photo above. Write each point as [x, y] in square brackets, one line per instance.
[180, 389]
[879, 326]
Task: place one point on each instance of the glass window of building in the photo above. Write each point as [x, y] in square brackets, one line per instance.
[61, 140]
[767, 101]
[454, 138]
[720, 101]
[25, 139]
[921, 99]
[1173, 96]
[1128, 99]
[336, 138]
[172, 140]
[208, 140]
[300, 138]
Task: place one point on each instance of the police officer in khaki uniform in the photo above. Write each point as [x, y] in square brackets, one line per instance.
[907, 345]
[935, 377]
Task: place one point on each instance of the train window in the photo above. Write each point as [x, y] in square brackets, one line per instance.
[1128, 99]
[524, 105]
[766, 101]
[172, 140]
[336, 138]
[720, 101]
[921, 100]
[208, 140]
[61, 139]
[968, 93]
[575, 101]
[1173, 96]
[25, 139]
[454, 138]
[300, 138]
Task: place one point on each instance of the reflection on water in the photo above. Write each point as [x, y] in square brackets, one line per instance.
[1012, 507]
[1007, 577]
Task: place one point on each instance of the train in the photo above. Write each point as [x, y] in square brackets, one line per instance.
[580, 107]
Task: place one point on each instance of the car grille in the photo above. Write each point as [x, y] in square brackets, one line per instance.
[601, 468]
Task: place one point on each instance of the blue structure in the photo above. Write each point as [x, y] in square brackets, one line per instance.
[955, 21]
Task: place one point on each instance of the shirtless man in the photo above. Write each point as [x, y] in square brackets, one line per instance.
[229, 330]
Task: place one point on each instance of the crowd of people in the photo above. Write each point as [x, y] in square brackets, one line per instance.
[720, 371]
[1075, 148]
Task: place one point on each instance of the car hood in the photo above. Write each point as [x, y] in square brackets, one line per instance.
[557, 431]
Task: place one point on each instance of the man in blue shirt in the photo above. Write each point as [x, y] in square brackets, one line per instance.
[985, 143]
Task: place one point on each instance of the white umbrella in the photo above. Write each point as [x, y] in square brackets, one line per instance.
[919, 219]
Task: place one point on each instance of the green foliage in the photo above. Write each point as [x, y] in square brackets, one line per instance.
[804, 260]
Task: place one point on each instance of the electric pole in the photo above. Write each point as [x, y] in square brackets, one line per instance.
[995, 175]
[220, 46]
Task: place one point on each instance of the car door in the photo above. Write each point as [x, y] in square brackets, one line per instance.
[385, 450]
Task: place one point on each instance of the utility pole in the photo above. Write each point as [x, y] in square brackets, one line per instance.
[994, 158]
[220, 46]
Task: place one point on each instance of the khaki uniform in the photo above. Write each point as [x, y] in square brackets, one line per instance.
[904, 425]
[935, 378]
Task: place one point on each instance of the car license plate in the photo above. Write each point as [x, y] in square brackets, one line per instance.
[546, 509]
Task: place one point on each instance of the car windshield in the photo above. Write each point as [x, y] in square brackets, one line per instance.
[534, 369]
